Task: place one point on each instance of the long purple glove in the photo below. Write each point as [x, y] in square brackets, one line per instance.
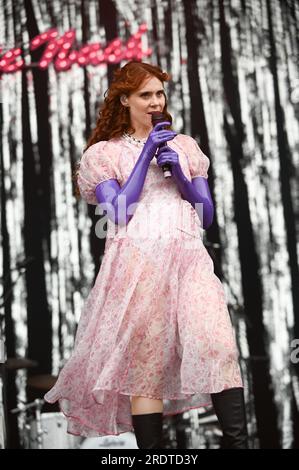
[197, 191]
[116, 200]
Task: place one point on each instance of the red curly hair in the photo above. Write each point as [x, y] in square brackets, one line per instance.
[114, 118]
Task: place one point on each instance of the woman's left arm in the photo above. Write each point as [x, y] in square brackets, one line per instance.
[196, 192]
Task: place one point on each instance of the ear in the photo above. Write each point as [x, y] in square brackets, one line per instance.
[124, 100]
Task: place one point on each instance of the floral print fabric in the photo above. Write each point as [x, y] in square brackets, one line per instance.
[155, 323]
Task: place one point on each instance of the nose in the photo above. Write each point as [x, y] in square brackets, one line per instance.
[154, 105]
[155, 101]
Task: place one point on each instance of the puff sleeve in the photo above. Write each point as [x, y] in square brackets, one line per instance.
[198, 162]
[96, 165]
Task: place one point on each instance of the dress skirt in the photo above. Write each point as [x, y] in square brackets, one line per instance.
[155, 324]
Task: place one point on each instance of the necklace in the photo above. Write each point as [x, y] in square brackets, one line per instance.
[133, 140]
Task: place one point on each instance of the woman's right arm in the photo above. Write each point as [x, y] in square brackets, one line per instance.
[116, 200]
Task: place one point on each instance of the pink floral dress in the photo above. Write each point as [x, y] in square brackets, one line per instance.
[155, 323]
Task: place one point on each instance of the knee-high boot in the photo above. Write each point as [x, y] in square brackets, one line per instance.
[148, 430]
[229, 407]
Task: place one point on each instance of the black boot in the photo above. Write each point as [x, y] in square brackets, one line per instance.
[148, 430]
[229, 407]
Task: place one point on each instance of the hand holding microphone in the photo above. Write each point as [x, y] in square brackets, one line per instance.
[157, 138]
[167, 157]
[159, 118]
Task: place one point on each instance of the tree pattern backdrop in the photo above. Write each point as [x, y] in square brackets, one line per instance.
[235, 88]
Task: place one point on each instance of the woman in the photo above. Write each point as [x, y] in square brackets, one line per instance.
[155, 336]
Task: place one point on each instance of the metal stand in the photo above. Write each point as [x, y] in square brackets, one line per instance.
[27, 441]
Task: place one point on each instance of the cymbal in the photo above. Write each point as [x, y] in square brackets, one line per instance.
[42, 382]
[14, 363]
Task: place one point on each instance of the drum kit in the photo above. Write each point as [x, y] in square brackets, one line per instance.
[44, 430]
[37, 429]
[40, 429]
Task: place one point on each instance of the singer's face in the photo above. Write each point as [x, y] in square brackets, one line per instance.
[149, 97]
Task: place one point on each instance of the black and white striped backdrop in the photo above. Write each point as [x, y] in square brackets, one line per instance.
[235, 88]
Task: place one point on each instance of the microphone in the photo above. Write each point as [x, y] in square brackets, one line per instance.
[159, 117]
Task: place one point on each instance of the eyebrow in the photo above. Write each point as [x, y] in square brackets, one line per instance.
[147, 91]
